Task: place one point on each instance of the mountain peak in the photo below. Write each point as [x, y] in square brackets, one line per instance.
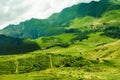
[57, 23]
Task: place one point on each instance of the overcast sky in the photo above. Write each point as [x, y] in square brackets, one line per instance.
[15, 11]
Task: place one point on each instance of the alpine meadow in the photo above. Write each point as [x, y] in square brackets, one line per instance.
[81, 42]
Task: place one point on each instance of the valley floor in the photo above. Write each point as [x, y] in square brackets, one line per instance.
[66, 74]
[96, 58]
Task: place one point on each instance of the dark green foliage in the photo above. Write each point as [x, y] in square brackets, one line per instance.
[64, 45]
[80, 37]
[75, 62]
[108, 63]
[7, 67]
[95, 61]
[112, 31]
[8, 41]
[10, 45]
[96, 9]
[33, 64]
[72, 31]
[54, 31]
[51, 40]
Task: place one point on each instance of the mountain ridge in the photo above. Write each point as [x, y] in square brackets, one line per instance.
[57, 23]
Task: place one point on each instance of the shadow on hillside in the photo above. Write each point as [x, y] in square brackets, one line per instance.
[10, 45]
[18, 49]
[113, 32]
[81, 36]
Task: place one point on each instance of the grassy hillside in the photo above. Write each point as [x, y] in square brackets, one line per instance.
[95, 58]
[87, 49]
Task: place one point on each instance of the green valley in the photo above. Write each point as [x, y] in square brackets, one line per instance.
[81, 42]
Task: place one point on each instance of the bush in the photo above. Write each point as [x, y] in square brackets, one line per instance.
[80, 37]
[64, 45]
[112, 31]
[72, 31]
[75, 62]
[7, 67]
[33, 64]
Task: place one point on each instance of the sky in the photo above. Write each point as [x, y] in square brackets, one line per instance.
[16, 11]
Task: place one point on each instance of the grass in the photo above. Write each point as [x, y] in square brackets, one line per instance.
[101, 51]
[96, 46]
[65, 74]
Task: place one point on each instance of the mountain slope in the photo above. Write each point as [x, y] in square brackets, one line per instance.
[10, 45]
[87, 49]
[57, 23]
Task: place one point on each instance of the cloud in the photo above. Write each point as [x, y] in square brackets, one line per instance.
[15, 11]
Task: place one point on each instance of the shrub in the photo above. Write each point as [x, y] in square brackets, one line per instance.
[75, 62]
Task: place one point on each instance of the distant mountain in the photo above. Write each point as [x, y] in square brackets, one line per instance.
[57, 23]
[10, 45]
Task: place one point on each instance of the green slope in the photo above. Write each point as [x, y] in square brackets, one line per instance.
[57, 23]
[101, 51]
[11, 45]
[88, 49]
